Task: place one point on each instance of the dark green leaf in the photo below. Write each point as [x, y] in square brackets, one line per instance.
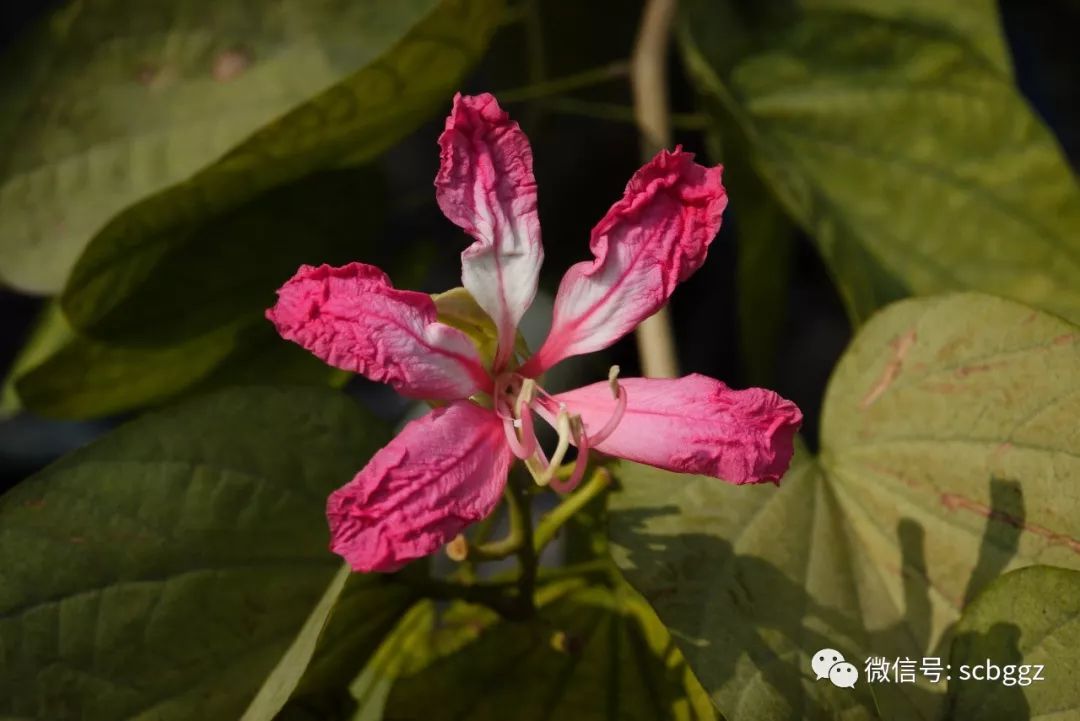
[50, 333]
[1027, 624]
[592, 652]
[912, 160]
[280, 685]
[343, 628]
[164, 570]
[199, 320]
[227, 268]
[88, 379]
[949, 455]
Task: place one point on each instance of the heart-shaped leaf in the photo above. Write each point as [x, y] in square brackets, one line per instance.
[911, 159]
[949, 455]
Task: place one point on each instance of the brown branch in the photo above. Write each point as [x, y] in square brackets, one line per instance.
[648, 79]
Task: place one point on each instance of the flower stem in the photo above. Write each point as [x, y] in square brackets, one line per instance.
[498, 596]
[617, 113]
[566, 84]
[506, 546]
[648, 79]
[550, 524]
[520, 507]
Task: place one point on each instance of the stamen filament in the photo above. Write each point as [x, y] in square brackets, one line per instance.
[538, 464]
[519, 449]
[617, 415]
[580, 463]
[563, 426]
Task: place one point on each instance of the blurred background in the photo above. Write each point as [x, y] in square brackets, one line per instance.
[586, 146]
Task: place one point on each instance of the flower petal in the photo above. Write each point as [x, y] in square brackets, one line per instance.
[354, 319]
[441, 473]
[649, 242]
[485, 185]
[694, 424]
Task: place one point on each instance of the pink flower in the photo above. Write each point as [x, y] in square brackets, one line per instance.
[448, 469]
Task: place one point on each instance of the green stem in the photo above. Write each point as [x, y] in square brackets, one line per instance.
[620, 113]
[521, 517]
[551, 523]
[467, 571]
[534, 40]
[536, 59]
[569, 83]
[510, 544]
[499, 597]
[597, 566]
[480, 549]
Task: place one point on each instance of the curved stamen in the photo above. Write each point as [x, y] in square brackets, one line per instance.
[519, 417]
[581, 439]
[528, 432]
[519, 449]
[563, 426]
[617, 415]
[523, 414]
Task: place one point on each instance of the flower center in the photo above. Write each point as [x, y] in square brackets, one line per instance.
[518, 397]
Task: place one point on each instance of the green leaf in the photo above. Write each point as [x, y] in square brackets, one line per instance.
[50, 332]
[199, 321]
[1030, 620]
[189, 108]
[974, 22]
[283, 680]
[948, 456]
[228, 268]
[914, 162]
[350, 123]
[592, 652]
[83, 378]
[163, 571]
[413, 644]
[340, 631]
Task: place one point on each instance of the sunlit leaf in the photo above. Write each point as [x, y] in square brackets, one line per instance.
[949, 454]
[913, 161]
[164, 570]
[352, 122]
[975, 22]
[190, 107]
[1027, 624]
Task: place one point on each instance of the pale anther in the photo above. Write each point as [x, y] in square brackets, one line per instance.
[613, 381]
